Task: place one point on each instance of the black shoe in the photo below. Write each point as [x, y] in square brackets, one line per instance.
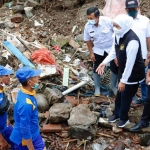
[137, 127]
[122, 123]
[138, 102]
[113, 118]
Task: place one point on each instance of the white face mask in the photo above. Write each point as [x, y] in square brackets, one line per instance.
[117, 31]
[92, 22]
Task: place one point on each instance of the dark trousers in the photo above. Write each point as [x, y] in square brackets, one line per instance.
[99, 60]
[146, 112]
[123, 101]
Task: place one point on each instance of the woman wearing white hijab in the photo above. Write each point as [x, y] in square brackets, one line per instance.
[127, 50]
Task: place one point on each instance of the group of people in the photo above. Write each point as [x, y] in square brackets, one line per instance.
[122, 43]
[25, 135]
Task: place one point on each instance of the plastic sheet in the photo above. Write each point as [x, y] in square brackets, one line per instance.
[114, 8]
[43, 56]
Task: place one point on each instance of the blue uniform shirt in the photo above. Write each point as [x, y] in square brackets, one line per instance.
[3, 118]
[26, 117]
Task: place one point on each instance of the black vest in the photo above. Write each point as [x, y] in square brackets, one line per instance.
[138, 71]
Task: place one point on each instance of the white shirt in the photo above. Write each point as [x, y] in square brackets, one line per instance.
[102, 35]
[141, 27]
[131, 52]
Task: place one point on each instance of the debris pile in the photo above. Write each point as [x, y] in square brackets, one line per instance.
[49, 36]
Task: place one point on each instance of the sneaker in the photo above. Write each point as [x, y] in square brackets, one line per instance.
[113, 118]
[122, 123]
[138, 102]
[137, 127]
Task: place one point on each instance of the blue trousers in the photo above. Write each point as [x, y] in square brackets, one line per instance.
[144, 88]
[37, 143]
[6, 134]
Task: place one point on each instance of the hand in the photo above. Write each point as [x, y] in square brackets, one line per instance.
[92, 57]
[148, 56]
[121, 87]
[4, 145]
[116, 61]
[148, 80]
[100, 69]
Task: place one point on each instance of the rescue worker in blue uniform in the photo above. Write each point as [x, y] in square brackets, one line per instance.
[5, 130]
[26, 132]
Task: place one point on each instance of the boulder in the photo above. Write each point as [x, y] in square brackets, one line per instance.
[145, 139]
[82, 132]
[17, 9]
[60, 112]
[81, 115]
[53, 95]
[120, 145]
[82, 122]
[43, 104]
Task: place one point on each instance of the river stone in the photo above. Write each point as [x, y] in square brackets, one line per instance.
[43, 104]
[53, 95]
[60, 112]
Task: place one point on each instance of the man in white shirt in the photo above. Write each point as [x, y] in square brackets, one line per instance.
[141, 27]
[98, 35]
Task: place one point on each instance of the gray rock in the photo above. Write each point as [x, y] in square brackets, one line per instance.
[10, 25]
[60, 40]
[17, 9]
[82, 122]
[43, 104]
[145, 139]
[44, 34]
[53, 95]
[79, 37]
[60, 112]
[82, 132]
[81, 115]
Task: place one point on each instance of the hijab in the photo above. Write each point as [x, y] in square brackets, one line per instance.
[125, 22]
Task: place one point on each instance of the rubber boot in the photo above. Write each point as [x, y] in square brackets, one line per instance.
[113, 82]
[97, 84]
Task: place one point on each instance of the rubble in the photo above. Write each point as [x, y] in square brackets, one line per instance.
[119, 146]
[145, 139]
[17, 9]
[17, 18]
[60, 112]
[57, 27]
